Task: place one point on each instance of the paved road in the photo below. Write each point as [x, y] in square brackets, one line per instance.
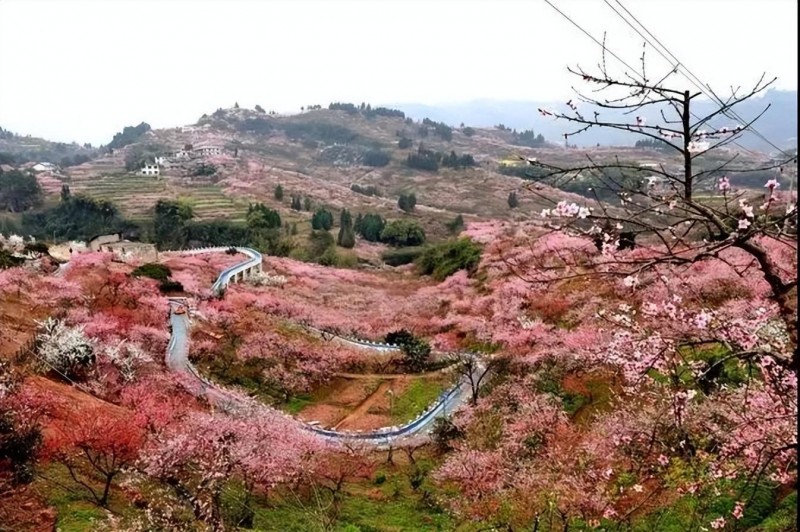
[177, 360]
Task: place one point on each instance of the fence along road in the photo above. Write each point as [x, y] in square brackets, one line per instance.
[177, 360]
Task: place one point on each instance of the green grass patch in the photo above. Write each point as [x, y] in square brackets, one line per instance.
[297, 403]
[419, 395]
[783, 518]
[75, 512]
[372, 505]
[689, 510]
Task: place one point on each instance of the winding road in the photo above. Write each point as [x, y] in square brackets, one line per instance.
[177, 360]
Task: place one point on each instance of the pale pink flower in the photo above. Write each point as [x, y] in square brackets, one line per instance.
[702, 319]
[744, 223]
[718, 523]
[772, 184]
[663, 460]
[637, 488]
[738, 510]
[609, 513]
[724, 184]
[630, 281]
[746, 209]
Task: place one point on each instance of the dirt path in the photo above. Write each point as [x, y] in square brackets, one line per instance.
[378, 396]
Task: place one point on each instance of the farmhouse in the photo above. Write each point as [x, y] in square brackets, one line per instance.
[150, 169]
[123, 249]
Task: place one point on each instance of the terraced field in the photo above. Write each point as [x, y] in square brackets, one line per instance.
[209, 202]
[136, 195]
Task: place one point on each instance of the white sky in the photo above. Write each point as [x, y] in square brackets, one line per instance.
[81, 70]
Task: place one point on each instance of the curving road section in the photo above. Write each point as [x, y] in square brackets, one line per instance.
[177, 360]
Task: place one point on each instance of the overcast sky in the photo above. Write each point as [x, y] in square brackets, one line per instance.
[81, 70]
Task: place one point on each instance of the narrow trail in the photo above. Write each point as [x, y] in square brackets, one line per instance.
[364, 406]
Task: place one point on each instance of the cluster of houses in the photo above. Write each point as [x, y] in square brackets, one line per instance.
[154, 168]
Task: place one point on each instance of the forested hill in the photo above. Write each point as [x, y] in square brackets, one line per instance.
[779, 123]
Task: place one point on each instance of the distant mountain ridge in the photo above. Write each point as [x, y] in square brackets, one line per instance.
[779, 123]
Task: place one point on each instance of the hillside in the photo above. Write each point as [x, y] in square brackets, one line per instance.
[322, 155]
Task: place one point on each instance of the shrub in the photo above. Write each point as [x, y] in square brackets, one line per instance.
[444, 433]
[407, 202]
[445, 259]
[376, 158]
[369, 190]
[170, 286]
[403, 233]
[159, 272]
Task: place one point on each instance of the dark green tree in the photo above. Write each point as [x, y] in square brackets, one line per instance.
[407, 202]
[65, 193]
[443, 260]
[456, 225]
[376, 158]
[279, 192]
[370, 227]
[170, 224]
[261, 217]
[416, 351]
[322, 220]
[307, 204]
[297, 204]
[19, 191]
[347, 235]
[403, 233]
[513, 201]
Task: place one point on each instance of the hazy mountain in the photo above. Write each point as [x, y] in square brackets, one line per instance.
[779, 123]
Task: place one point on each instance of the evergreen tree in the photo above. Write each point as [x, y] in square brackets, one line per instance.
[322, 219]
[370, 227]
[65, 193]
[307, 204]
[296, 203]
[456, 225]
[513, 202]
[279, 192]
[407, 202]
[347, 236]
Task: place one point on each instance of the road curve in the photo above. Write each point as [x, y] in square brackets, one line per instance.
[177, 360]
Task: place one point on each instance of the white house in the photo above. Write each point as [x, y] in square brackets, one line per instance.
[208, 150]
[42, 167]
[150, 169]
[160, 160]
[181, 154]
